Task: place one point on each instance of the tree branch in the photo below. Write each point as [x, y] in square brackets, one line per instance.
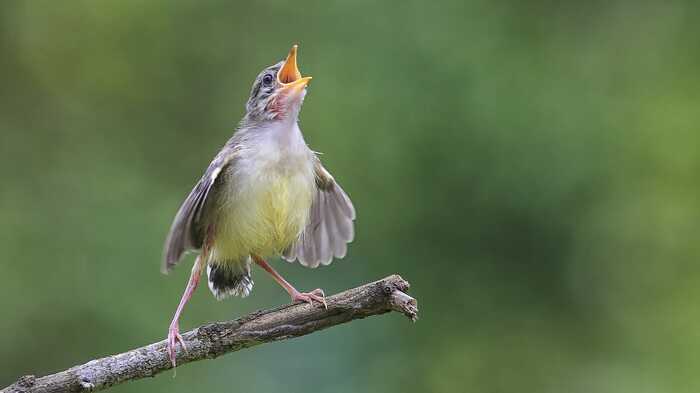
[215, 339]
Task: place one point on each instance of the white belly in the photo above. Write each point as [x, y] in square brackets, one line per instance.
[268, 200]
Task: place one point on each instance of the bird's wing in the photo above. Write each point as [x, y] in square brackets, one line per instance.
[187, 231]
[330, 225]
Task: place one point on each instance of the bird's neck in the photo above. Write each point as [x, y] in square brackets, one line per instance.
[283, 134]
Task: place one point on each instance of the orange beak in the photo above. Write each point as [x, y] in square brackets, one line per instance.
[289, 76]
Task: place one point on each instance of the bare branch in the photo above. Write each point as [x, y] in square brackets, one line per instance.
[215, 339]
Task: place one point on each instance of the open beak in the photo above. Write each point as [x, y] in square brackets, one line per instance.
[289, 76]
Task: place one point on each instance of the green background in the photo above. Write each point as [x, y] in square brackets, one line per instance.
[532, 168]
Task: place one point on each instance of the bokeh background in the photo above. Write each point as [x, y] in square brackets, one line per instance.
[532, 168]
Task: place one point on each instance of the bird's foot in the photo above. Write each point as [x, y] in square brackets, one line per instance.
[173, 338]
[310, 297]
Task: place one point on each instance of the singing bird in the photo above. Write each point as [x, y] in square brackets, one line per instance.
[265, 194]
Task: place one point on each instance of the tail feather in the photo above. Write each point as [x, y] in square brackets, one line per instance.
[230, 279]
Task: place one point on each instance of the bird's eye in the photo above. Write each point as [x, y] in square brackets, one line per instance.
[267, 80]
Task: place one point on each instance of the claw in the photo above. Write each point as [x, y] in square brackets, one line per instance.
[310, 297]
[182, 342]
[174, 337]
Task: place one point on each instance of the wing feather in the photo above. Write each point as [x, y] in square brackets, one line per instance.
[188, 228]
[330, 225]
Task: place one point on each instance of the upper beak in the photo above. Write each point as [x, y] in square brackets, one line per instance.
[289, 75]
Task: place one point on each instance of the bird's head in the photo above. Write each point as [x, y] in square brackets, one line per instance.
[278, 91]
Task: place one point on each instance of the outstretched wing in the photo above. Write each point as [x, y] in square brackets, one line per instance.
[330, 225]
[188, 229]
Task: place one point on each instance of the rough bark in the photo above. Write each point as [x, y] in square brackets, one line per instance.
[215, 339]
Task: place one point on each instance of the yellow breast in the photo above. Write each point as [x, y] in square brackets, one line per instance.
[264, 217]
[284, 210]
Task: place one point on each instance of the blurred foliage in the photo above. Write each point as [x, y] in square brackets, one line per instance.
[530, 167]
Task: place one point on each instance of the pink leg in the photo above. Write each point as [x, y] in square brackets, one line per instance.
[309, 297]
[174, 330]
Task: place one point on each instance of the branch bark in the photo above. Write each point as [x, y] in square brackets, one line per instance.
[215, 339]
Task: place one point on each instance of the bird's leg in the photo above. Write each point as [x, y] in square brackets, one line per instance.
[174, 330]
[309, 297]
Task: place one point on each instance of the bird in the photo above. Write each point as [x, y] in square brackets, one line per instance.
[265, 194]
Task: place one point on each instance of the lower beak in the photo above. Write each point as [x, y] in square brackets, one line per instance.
[297, 85]
[289, 76]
